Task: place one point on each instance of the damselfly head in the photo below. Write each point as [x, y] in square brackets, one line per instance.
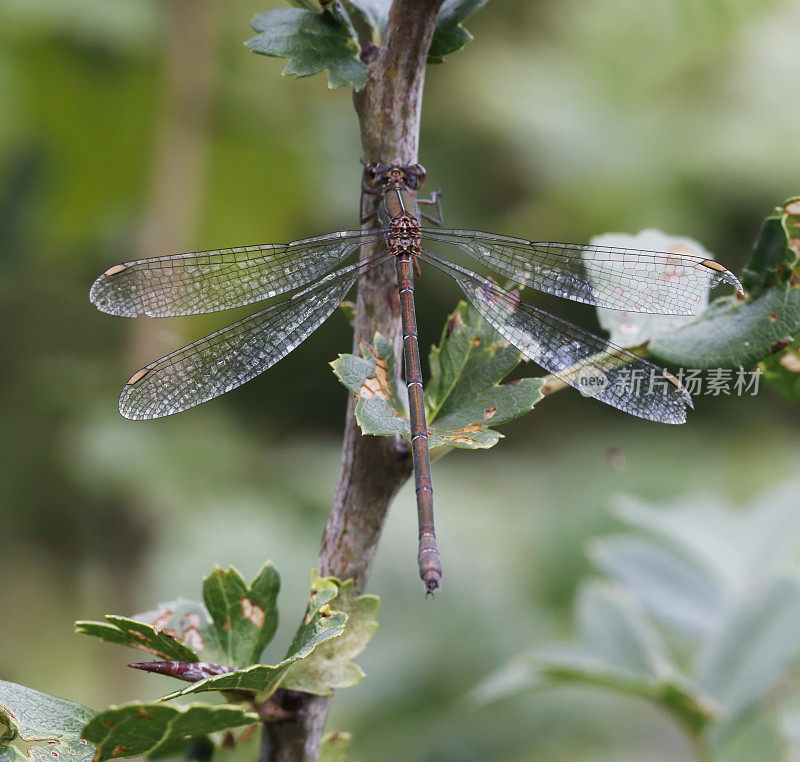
[379, 175]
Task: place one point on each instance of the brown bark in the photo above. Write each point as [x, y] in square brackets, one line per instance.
[373, 468]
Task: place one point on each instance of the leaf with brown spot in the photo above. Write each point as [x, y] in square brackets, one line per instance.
[245, 616]
[774, 260]
[372, 388]
[371, 378]
[334, 747]
[779, 345]
[252, 612]
[131, 632]
[465, 390]
[137, 729]
[377, 385]
[189, 622]
[782, 370]
[462, 394]
[460, 439]
[318, 626]
[31, 716]
[473, 428]
[791, 362]
[330, 666]
[732, 333]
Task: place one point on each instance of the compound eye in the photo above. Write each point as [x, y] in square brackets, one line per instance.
[370, 174]
[419, 172]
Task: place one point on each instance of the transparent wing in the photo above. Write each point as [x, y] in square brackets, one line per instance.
[233, 355]
[614, 375]
[208, 281]
[657, 282]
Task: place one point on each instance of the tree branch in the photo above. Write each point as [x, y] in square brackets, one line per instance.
[373, 468]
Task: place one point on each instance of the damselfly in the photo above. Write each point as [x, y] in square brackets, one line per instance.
[308, 279]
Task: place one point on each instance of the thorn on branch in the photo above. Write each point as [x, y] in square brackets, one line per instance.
[368, 51]
[191, 671]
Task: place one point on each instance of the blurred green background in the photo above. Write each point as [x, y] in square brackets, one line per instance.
[138, 127]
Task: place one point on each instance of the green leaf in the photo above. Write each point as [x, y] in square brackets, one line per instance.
[319, 625]
[703, 555]
[738, 665]
[464, 396]
[371, 378]
[313, 42]
[130, 632]
[629, 664]
[245, 616]
[309, 5]
[774, 259]
[615, 641]
[236, 623]
[618, 648]
[702, 529]
[761, 738]
[329, 667]
[334, 747]
[631, 329]
[789, 719]
[38, 716]
[348, 309]
[78, 749]
[187, 621]
[612, 627]
[670, 587]
[35, 716]
[732, 332]
[375, 13]
[518, 675]
[737, 547]
[782, 371]
[136, 729]
[450, 36]
[753, 652]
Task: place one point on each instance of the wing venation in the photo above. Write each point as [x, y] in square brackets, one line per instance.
[237, 353]
[656, 282]
[593, 365]
[209, 281]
